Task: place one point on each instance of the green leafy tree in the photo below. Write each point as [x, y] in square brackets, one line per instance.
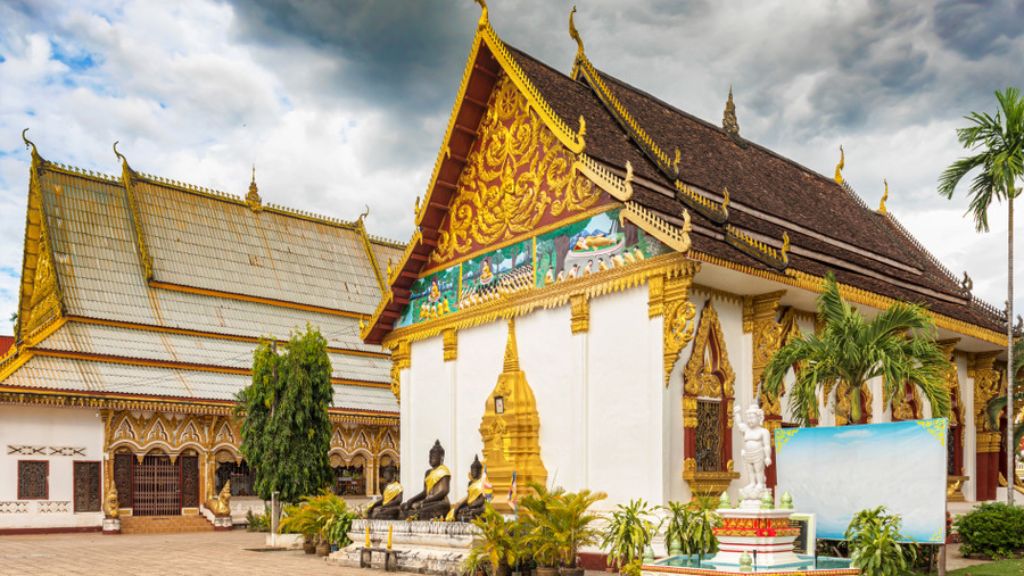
[997, 143]
[898, 345]
[877, 547]
[286, 430]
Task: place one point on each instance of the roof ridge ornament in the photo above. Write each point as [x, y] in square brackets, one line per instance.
[885, 196]
[840, 165]
[29, 143]
[729, 122]
[252, 198]
[483, 14]
[574, 33]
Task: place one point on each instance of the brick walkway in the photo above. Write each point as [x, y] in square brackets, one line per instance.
[196, 554]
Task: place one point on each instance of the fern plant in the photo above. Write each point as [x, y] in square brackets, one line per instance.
[877, 547]
[630, 531]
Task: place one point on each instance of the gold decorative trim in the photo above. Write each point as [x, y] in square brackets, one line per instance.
[521, 302]
[257, 299]
[678, 323]
[619, 188]
[579, 306]
[401, 358]
[707, 484]
[699, 376]
[812, 283]
[361, 228]
[655, 296]
[776, 258]
[676, 238]
[128, 181]
[451, 344]
[768, 336]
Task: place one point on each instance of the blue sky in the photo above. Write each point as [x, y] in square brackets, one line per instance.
[343, 104]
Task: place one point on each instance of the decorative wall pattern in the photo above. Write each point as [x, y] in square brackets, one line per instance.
[24, 450]
[588, 246]
[55, 507]
[13, 507]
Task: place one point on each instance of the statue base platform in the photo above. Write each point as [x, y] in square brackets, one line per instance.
[223, 523]
[423, 547]
[111, 525]
[765, 535]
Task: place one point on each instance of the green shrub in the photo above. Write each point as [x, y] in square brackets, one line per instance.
[993, 529]
[876, 545]
[691, 527]
[628, 534]
[257, 522]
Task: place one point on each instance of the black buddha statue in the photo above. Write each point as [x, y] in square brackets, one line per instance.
[389, 507]
[472, 505]
[432, 502]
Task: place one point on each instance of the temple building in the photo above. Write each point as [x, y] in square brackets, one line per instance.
[141, 302]
[596, 278]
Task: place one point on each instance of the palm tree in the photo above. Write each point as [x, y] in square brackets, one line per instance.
[999, 146]
[898, 345]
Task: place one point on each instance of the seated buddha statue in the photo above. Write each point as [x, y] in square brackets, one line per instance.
[389, 507]
[472, 505]
[432, 502]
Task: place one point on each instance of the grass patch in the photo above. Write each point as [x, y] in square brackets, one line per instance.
[1001, 568]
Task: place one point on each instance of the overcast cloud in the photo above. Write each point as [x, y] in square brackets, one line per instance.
[341, 104]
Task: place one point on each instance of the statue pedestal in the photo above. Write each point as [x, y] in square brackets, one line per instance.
[422, 547]
[223, 523]
[766, 535]
[111, 525]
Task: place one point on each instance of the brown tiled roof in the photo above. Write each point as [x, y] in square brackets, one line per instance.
[829, 226]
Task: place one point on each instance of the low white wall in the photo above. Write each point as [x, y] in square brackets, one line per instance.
[49, 430]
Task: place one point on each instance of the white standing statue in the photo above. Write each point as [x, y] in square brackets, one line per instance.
[757, 450]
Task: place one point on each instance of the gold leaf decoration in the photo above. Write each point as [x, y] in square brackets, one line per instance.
[516, 176]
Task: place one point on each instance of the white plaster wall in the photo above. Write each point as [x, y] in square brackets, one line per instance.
[44, 426]
[429, 414]
[625, 400]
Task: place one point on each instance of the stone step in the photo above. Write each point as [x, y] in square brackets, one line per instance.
[164, 524]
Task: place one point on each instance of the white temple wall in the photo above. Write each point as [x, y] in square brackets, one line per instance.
[50, 429]
[970, 487]
[730, 314]
[429, 412]
[625, 400]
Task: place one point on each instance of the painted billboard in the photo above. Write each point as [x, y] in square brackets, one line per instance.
[835, 472]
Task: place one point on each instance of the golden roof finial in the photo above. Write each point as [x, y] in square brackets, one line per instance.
[885, 196]
[511, 350]
[124, 161]
[253, 197]
[363, 215]
[729, 122]
[725, 198]
[583, 127]
[574, 33]
[841, 165]
[677, 160]
[785, 246]
[29, 143]
[483, 14]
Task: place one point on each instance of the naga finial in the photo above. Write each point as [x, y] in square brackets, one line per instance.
[676, 161]
[124, 161]
[967, 284]
[29, 143]
[574, 33]
[583, 126]
[729, 122]
[725, 198]
[364, 214]
[841, 165]
[483, 14]
[885, 196]
[785, 246]
[629, 173]
[687, 225]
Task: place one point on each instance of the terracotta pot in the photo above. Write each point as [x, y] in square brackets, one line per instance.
[309, 546]
[323, 548]
[570, 571]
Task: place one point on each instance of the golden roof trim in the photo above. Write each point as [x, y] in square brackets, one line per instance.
[127, 178]
[676, 238]
[257, 299]
[365, 238]
[777, 258]
[620, 188]
[814, 283]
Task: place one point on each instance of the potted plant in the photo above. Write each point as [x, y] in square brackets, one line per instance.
[691, 528]
[298, 519]
[542, 527]
[491, 552]
[575, 526]
[628, 534]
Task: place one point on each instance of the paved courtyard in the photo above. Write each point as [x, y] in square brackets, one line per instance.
[195, 554]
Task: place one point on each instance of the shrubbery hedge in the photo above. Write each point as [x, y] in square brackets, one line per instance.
[993, 529]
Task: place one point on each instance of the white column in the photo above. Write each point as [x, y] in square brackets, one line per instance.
[579, 477]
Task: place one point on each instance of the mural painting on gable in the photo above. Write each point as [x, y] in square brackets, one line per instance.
[588, 246]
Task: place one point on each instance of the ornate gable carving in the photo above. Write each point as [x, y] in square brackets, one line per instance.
[708, 371]
[517, 177]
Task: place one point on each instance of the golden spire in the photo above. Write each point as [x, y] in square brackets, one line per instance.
[253, 197]
[511, 350]
[841, 165]
[729, 122]
[574, 33]
[885, 196]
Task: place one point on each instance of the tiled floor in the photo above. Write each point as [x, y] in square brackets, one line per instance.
[195, 554]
